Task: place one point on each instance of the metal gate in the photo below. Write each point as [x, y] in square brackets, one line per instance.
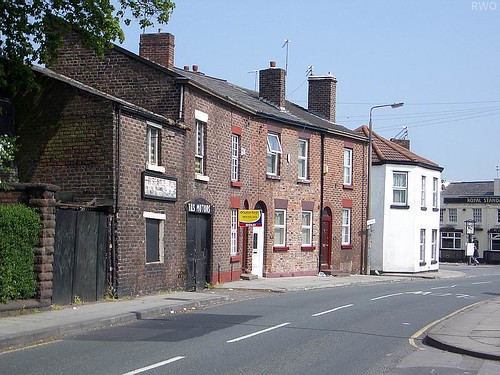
[79, 268]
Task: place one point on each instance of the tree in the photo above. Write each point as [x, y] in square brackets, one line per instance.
[31, 30]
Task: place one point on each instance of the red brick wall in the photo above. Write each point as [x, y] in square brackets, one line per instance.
[120, 75]
[65, 139]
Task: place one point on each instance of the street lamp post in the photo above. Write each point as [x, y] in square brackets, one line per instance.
[369, 180]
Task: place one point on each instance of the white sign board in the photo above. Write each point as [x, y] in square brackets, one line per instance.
[470, 249]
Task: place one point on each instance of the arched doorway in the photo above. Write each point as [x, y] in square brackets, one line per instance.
[258, 242]
[326, 240]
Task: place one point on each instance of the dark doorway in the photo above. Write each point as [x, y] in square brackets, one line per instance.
[198, 245]
[326, 241]
[79, 268]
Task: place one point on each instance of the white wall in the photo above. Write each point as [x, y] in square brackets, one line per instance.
[396, 233]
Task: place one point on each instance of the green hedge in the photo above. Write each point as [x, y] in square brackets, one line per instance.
[19, 233]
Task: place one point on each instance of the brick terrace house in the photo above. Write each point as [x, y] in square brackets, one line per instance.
[116, 163]
[405, 206]
[243, 150]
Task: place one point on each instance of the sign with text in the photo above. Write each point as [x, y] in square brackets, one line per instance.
[199, 207]
[159, 187]
[478, 200]
[250, 218]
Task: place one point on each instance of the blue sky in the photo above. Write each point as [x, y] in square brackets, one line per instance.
[439, 57]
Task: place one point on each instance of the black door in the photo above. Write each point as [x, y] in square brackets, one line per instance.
[198, 251]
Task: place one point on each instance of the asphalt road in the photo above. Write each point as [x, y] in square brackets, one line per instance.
[362, 329]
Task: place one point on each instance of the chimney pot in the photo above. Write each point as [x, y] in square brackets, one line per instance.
[195, 68]
[272, 64]
[186, 68]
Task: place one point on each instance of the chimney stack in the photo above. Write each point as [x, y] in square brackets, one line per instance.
[322, 96]
[496, 187]
[159, 48]
[402, 142]
[272, 85]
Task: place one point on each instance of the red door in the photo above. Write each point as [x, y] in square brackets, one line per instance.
[326, 243]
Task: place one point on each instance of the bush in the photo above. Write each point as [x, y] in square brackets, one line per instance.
[19, 233]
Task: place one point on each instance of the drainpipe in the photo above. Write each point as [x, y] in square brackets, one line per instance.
[117, 190]
[322, 182]
[181, 103]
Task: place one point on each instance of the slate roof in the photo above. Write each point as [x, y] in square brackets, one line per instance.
[461, 189]
[249, 100]
[387, 152]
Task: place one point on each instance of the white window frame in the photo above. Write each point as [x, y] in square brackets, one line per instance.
[435, 193]
[452, 215]
[494, 237]
[274, 151]
[477, 215]
[235, 157]
[422, 245]
[434, 245]
[400, 189]
[234, 231]
[279, 228]
[423, 200]
[303, 159]
[454, 237]
[347, 166]
[498, 215]
[441, 215]
[346, 226]
[153, 147]
[200, 147]
[307, 228]
[161, 218]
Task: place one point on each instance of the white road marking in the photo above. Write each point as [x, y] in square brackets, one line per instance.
[257, 333]
[332, 310]
[481, 282]
[444, 287]
[387, 296]
[155, 365]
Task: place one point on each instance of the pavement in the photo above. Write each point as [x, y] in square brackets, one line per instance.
[474, 331]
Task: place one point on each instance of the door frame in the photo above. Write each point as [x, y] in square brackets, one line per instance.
[326, 224]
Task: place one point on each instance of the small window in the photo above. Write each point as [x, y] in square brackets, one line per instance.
[347, 166]
[346, 226]
[423, 202]
[477, 215]
[422, 245]
[199, 161]
[279, 227]
[400, 188]
[306, 228]
[495, 241]
[153, 139]
[434, 245]
[235, 157]
[303, 158]
[155, 226]
[273, 154]
[441, 215]
[452, 215]
[435, 193]
[234, 231]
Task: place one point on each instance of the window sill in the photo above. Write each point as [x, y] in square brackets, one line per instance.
[423, 208]
[348, 187]
[308, 248]
[303, 181]
[234, 258]
[346, 247]
[201, 177]
[272, 177]
[280, 248]
[422, 264]
[237, 184]
[400, 207]
[434, 261]
[155, 168]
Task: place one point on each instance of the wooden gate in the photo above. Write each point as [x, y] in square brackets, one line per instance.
[81, 240]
